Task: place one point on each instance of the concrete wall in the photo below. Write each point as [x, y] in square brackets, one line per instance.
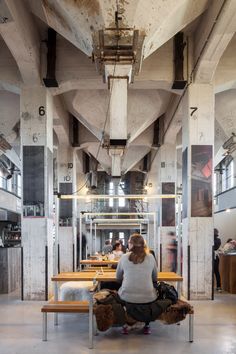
[9, 201]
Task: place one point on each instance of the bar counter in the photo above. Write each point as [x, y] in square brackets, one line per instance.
[228, 272]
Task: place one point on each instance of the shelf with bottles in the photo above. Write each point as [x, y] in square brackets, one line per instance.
[12, 237]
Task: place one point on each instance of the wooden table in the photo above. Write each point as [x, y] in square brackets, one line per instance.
[106, 276]
[96, 262]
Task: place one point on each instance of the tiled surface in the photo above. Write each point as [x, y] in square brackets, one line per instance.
[21, 331]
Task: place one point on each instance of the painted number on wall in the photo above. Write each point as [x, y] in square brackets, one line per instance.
[193, 110]
[42, 111]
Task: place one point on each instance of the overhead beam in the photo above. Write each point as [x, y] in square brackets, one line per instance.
[179, 44]
[50, 80]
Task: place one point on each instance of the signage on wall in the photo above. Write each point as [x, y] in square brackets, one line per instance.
[68, 177]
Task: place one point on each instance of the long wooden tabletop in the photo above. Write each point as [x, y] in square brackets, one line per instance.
[108, 276]
[96, 262]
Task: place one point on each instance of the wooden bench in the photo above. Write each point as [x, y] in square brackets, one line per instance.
[70, 307]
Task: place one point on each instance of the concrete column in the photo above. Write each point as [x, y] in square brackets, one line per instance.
[198, 144]
[66, 229]
[153, 206]
[36, 108]
[167, 179]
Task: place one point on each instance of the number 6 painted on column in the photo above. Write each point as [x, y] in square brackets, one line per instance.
[42, 111]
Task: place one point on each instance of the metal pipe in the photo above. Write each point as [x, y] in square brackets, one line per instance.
[179, 244]
[56, 299]
[190, 334]
[95, 238]
[44, 326]
[91, 238]
[156, 240]
[90, 321]
[189, 272]
[80, 240]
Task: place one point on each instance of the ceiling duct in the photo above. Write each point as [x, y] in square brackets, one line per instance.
[91, 180]
[118, 46]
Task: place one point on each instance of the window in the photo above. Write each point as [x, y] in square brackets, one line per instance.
[228, 176]
[110, 236]
[214, 184]
[2, 181]
[18, 185]
[122, 236]
[224, 175]
[121, 192]
[9, 185]
[111, 192]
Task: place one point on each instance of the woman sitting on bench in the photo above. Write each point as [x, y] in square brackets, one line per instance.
[137, 270]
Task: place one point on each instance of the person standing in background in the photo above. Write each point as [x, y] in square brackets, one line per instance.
[107, 248]
[172, 248]
[217, 244]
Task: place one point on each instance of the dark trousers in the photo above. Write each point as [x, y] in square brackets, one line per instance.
[216, 272]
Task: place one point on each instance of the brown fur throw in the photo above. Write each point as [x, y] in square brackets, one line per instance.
[104, 316]
[176, 313]
[108, 313]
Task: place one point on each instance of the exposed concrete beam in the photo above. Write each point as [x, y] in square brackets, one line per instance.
[173, 120]
[61, 121]
[225, 76]
[10, 77]
[22, 39]
[213, 35]
[133, 155]
[168, 19]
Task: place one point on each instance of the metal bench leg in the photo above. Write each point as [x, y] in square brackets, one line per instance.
[179, 288]
[56, 299]
[95, 329]
[55, 319]
[91, 322]
[44, 326]
[190, 334]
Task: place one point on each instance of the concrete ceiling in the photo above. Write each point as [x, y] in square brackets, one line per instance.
[81, 90]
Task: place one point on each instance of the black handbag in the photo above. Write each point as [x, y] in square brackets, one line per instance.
[166, 291]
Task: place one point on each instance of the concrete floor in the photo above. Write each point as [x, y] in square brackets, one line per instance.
[21, 331]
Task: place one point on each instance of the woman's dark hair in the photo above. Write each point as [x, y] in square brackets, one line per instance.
[137, 249]
[116, 245]
[229, 239]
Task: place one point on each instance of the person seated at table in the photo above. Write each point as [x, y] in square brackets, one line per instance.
[137, 270]
[107, 248]
[117, 250]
